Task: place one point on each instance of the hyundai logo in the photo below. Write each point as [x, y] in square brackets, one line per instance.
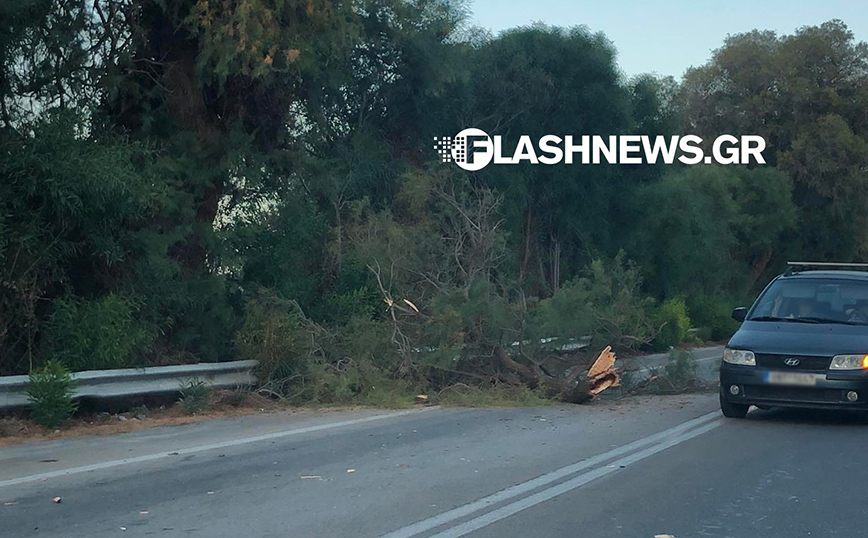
[792, 361]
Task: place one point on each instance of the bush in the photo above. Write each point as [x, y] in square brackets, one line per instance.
[674, 323]
[194, 396]
[50, 390]
[95, 335]
[607, 303]
[354, 382]
[275, 334]
[714, 316]
[680, 368]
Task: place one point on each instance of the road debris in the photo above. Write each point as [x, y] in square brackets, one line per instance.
[10, 503]
[57, 500]
[603, 374]
[350, 471]
[311, 477]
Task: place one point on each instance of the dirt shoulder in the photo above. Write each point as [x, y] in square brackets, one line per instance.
[223, 404]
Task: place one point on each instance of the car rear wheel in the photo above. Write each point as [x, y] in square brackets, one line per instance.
[732, 410]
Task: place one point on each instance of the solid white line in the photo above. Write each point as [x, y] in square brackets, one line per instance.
[203, 448]
[543, 480]
[550, 493]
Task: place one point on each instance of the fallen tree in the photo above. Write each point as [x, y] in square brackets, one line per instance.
[454, 320]
[577, 386]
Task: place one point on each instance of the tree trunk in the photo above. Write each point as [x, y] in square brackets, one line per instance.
[578, 387]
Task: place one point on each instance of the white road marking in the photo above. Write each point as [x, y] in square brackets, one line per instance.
[546, 479]
[203, 448]
[552, 492]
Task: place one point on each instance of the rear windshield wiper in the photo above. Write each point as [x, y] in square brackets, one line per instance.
[791, 320]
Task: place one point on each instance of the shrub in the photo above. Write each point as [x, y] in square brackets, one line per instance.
[714, 314]
[680, 367]
[50, 390]
[354, 382]
[94, 335]
[674, 323]
[607, 302]
[194, 396]
[276, 334]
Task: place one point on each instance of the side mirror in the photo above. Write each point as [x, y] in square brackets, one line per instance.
[739, 314]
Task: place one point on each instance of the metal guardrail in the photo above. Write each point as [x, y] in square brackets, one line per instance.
[137, 381]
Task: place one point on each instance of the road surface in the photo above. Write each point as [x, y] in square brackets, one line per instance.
[636, 468]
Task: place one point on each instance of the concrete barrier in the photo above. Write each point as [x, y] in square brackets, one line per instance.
[137, 381]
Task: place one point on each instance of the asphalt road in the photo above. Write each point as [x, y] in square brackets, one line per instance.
[638, 468]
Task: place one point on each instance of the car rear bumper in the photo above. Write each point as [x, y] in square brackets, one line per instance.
[830, 391]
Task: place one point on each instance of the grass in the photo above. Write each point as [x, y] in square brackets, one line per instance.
[194, 396]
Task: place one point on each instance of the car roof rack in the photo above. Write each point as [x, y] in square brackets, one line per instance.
[796, 267]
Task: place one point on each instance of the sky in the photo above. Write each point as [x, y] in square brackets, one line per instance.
[668, 36]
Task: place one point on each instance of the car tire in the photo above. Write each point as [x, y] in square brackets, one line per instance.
[732, 410]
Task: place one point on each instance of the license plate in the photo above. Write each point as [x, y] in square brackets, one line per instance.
[791, 378]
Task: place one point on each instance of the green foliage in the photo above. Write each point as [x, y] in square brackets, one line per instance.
[708, 229]
[607, 303]
[95, 335]
[354, 382]
[194, 396]
[827, 163]
[50, 391]
[367, 341]
[619, 307]
[680, 370]
[521, 84]
[301, 166]
[674, 323]
[805, 93]
[714, 314]
[70, 210]
[274, 333]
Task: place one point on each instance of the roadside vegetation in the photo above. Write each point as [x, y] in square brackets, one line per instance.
[678, 376]
[181, 182]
